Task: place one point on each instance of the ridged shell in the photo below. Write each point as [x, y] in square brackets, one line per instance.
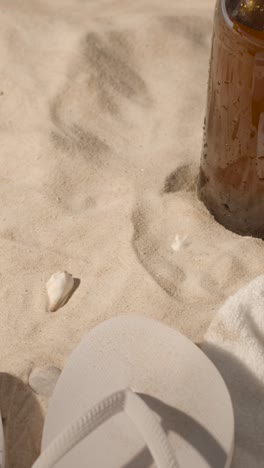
[59, 287]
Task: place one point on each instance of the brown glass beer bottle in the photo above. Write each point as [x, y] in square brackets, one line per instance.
[231, 181]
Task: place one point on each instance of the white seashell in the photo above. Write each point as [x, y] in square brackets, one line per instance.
[43, 380]
[180, 242]
[59, 287]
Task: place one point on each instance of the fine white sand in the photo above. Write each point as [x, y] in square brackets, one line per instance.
[101, 113]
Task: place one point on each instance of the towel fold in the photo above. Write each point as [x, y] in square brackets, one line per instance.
[235, 343]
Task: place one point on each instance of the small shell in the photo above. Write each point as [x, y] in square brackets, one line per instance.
[43, 380]
[59, 287]
[180, 242]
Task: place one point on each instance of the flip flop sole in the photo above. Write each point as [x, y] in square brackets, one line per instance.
[176, 380]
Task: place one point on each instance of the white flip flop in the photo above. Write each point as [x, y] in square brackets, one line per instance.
[138, 394]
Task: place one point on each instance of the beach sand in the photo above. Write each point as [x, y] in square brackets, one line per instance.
[101, 114]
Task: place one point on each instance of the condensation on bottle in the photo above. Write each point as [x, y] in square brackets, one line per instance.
[231, 182]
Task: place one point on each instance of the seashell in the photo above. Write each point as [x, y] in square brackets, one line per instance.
[59, 287]
[43, 380]
[180, 242]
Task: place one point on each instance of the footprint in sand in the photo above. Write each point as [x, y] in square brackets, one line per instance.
[211, 265]
[152, 249]
[104, 80]
[89, 116]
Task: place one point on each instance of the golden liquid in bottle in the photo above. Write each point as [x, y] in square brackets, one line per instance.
[232, 166]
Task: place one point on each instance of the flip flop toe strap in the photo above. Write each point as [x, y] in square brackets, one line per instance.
[138, 412]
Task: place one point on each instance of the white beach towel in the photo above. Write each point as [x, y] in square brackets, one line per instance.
[235, 343]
